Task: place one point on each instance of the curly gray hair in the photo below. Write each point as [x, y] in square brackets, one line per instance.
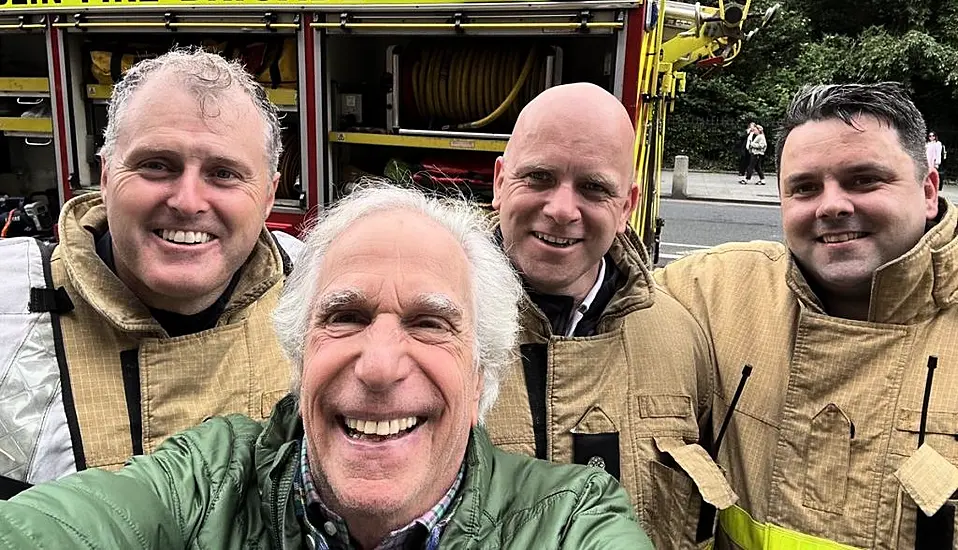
[496, 290]
[208, 76]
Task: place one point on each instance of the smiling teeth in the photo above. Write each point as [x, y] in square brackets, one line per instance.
[841, 237]
[555, 240]
[185, 237]
[382, 427]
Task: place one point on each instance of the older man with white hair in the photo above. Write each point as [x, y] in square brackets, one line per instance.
[399, 321]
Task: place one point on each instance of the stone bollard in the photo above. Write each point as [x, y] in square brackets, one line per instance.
[680, 177]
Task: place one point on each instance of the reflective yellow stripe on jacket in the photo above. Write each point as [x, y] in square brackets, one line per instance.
[749, 534]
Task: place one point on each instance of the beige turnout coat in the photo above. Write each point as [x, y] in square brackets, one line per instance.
[644, 380]
[110, 336]
[822, 448]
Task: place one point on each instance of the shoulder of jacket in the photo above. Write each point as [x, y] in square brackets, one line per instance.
[215, 460]
[736, 253]
[744, 259]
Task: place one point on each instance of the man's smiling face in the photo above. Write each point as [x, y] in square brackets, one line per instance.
[186, 193]
[564, 187]
[851, 201]
[390, 390]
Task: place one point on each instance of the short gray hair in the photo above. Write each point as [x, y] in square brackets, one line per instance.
[496, 289]
[207, 75]
[886, 101]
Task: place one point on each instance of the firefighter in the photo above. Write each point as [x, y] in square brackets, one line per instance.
[156, 308]
[610, 372]
[843, 327]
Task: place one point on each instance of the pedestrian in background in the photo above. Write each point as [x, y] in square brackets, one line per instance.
[935, 153]
[756, 149]
[744, 156]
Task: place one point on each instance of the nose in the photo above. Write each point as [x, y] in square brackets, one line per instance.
[834, 202]
[384, 360]
[187, 196]
[562, 205]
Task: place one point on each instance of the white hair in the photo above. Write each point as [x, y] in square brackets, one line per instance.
[496, 289]
[207, 76]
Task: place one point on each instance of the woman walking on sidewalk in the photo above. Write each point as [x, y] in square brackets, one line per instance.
[756, 147]
[745, 156]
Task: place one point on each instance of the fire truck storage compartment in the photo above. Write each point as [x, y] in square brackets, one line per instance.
[27, 156]
[99, 59]
[437, 109]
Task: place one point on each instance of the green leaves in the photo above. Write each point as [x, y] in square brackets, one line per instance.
[816, 41]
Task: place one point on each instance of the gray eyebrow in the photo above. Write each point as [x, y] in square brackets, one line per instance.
[431, 303]
[439, 304]
[337, 300]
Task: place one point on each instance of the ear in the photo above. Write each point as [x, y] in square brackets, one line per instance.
[104, 177]
[497, 180]
[271, 196]
[930, 187]
[479, 385]
[628, 207]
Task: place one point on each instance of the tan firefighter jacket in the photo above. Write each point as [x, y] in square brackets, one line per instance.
[822, 448]
[630, 398]
[117, 385]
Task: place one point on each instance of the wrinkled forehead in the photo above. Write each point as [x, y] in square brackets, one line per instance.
[399, 253]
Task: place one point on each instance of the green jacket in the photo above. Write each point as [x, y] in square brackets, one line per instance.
[227, 484]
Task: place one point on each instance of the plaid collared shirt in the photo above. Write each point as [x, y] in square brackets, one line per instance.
[421, 534]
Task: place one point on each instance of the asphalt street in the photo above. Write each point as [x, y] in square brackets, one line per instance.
[694, 225]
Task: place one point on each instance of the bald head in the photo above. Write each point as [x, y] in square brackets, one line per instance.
[579, 111]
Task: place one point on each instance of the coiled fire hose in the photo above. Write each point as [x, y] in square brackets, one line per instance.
[468, 87]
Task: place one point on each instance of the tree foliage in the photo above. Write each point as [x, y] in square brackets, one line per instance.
[817, 41]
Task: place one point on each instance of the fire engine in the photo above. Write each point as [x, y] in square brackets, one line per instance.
[424, 91]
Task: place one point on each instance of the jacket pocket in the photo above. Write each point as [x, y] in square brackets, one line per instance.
[926, 515]
[672, 507]
[826, 469]
[595, 442]
[944, 525]
[668, 502]
[674, 502]
[941, 432]
[664, 406]
[661, 415]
